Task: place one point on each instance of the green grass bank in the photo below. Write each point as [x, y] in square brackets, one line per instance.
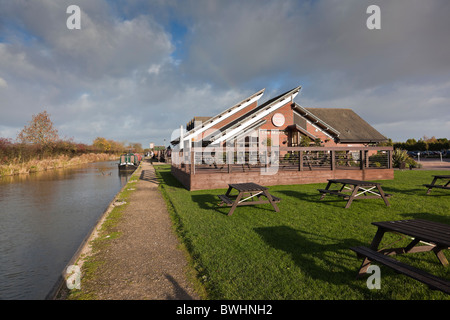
[302, 252]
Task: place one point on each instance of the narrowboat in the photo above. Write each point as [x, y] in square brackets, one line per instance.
[129, 161]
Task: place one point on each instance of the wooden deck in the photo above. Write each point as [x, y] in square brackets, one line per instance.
[289, 166]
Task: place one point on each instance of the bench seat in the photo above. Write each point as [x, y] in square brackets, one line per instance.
[225, 199]
[432, 281]
[335, 192]
[276, 199]
[436, 186]
[347, 195]
[229, 202]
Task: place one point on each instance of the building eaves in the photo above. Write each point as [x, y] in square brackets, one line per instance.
[233, 128]
[220, 117]
[315, 120]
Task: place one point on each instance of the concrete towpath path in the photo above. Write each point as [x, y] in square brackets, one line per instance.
[145, 262]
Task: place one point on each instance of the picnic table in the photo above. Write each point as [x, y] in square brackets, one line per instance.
[359, 189]
[440, 186]
[425, 236]
[246, 196]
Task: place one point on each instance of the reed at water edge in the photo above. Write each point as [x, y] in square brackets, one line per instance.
[61, 161]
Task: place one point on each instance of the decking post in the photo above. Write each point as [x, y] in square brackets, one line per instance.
[389, 152]
[333, 156]
[361, 159]
[300, 160]
[266, 159]
[192, 168]
[366, 158]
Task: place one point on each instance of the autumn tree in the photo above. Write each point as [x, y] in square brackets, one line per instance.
[102, 144]
[40, 130]
[135, 147]
[116, 146]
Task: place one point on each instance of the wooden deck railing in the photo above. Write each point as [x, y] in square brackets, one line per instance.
[204, 160]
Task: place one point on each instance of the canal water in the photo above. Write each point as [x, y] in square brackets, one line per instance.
[44, 218]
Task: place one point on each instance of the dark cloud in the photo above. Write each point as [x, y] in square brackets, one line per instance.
[154, 65]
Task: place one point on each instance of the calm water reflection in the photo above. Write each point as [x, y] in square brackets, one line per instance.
[44, 218]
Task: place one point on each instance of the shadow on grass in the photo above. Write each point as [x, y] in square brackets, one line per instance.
[410, 192]
[167, 178]
[427, 216]
[212, 202]
[302, 196]
[319, 256]
[209, 202]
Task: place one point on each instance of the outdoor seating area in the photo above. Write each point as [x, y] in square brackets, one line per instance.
[308, 247]
[246, 196]
[425, 235]
[436, 178]
[359, 189]
[434, 236]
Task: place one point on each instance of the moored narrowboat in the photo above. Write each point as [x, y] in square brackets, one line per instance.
[129, 161]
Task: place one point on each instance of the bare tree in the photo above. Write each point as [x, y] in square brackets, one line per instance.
[40, 130]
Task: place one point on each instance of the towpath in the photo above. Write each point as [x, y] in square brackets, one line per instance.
[145, 262]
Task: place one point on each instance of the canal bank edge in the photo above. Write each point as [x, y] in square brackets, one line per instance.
[60, 290]
[43, 165]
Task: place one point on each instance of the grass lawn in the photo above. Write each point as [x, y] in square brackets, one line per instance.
[302, 252]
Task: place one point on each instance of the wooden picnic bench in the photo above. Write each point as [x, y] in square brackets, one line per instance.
[246, 196]
[431, 235]
[439, 186]
[359, 189]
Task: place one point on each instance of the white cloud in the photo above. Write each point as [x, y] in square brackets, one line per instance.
[154, 69]
[3, 83]
[398, 111]
[120, 71]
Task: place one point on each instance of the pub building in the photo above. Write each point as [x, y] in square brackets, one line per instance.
[328, 127]
[310, 145]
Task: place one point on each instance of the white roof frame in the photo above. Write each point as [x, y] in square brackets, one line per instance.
[245, 131]
[222, 116]
[241, 126]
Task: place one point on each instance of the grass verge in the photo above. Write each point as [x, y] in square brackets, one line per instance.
[106, 232]
[195, 272]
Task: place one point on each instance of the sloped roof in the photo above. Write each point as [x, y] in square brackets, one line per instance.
[232, 129]
[315, 120]
[351, 127]
[221, 116]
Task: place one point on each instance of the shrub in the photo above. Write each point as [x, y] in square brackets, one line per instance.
[400, 158]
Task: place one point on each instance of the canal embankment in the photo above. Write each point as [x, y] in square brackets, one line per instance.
[133, 251]
[19, 167]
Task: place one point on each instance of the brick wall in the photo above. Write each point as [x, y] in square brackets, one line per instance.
[205, 181]
[288, 114]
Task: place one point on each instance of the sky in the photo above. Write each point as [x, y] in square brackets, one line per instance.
[137, 70]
